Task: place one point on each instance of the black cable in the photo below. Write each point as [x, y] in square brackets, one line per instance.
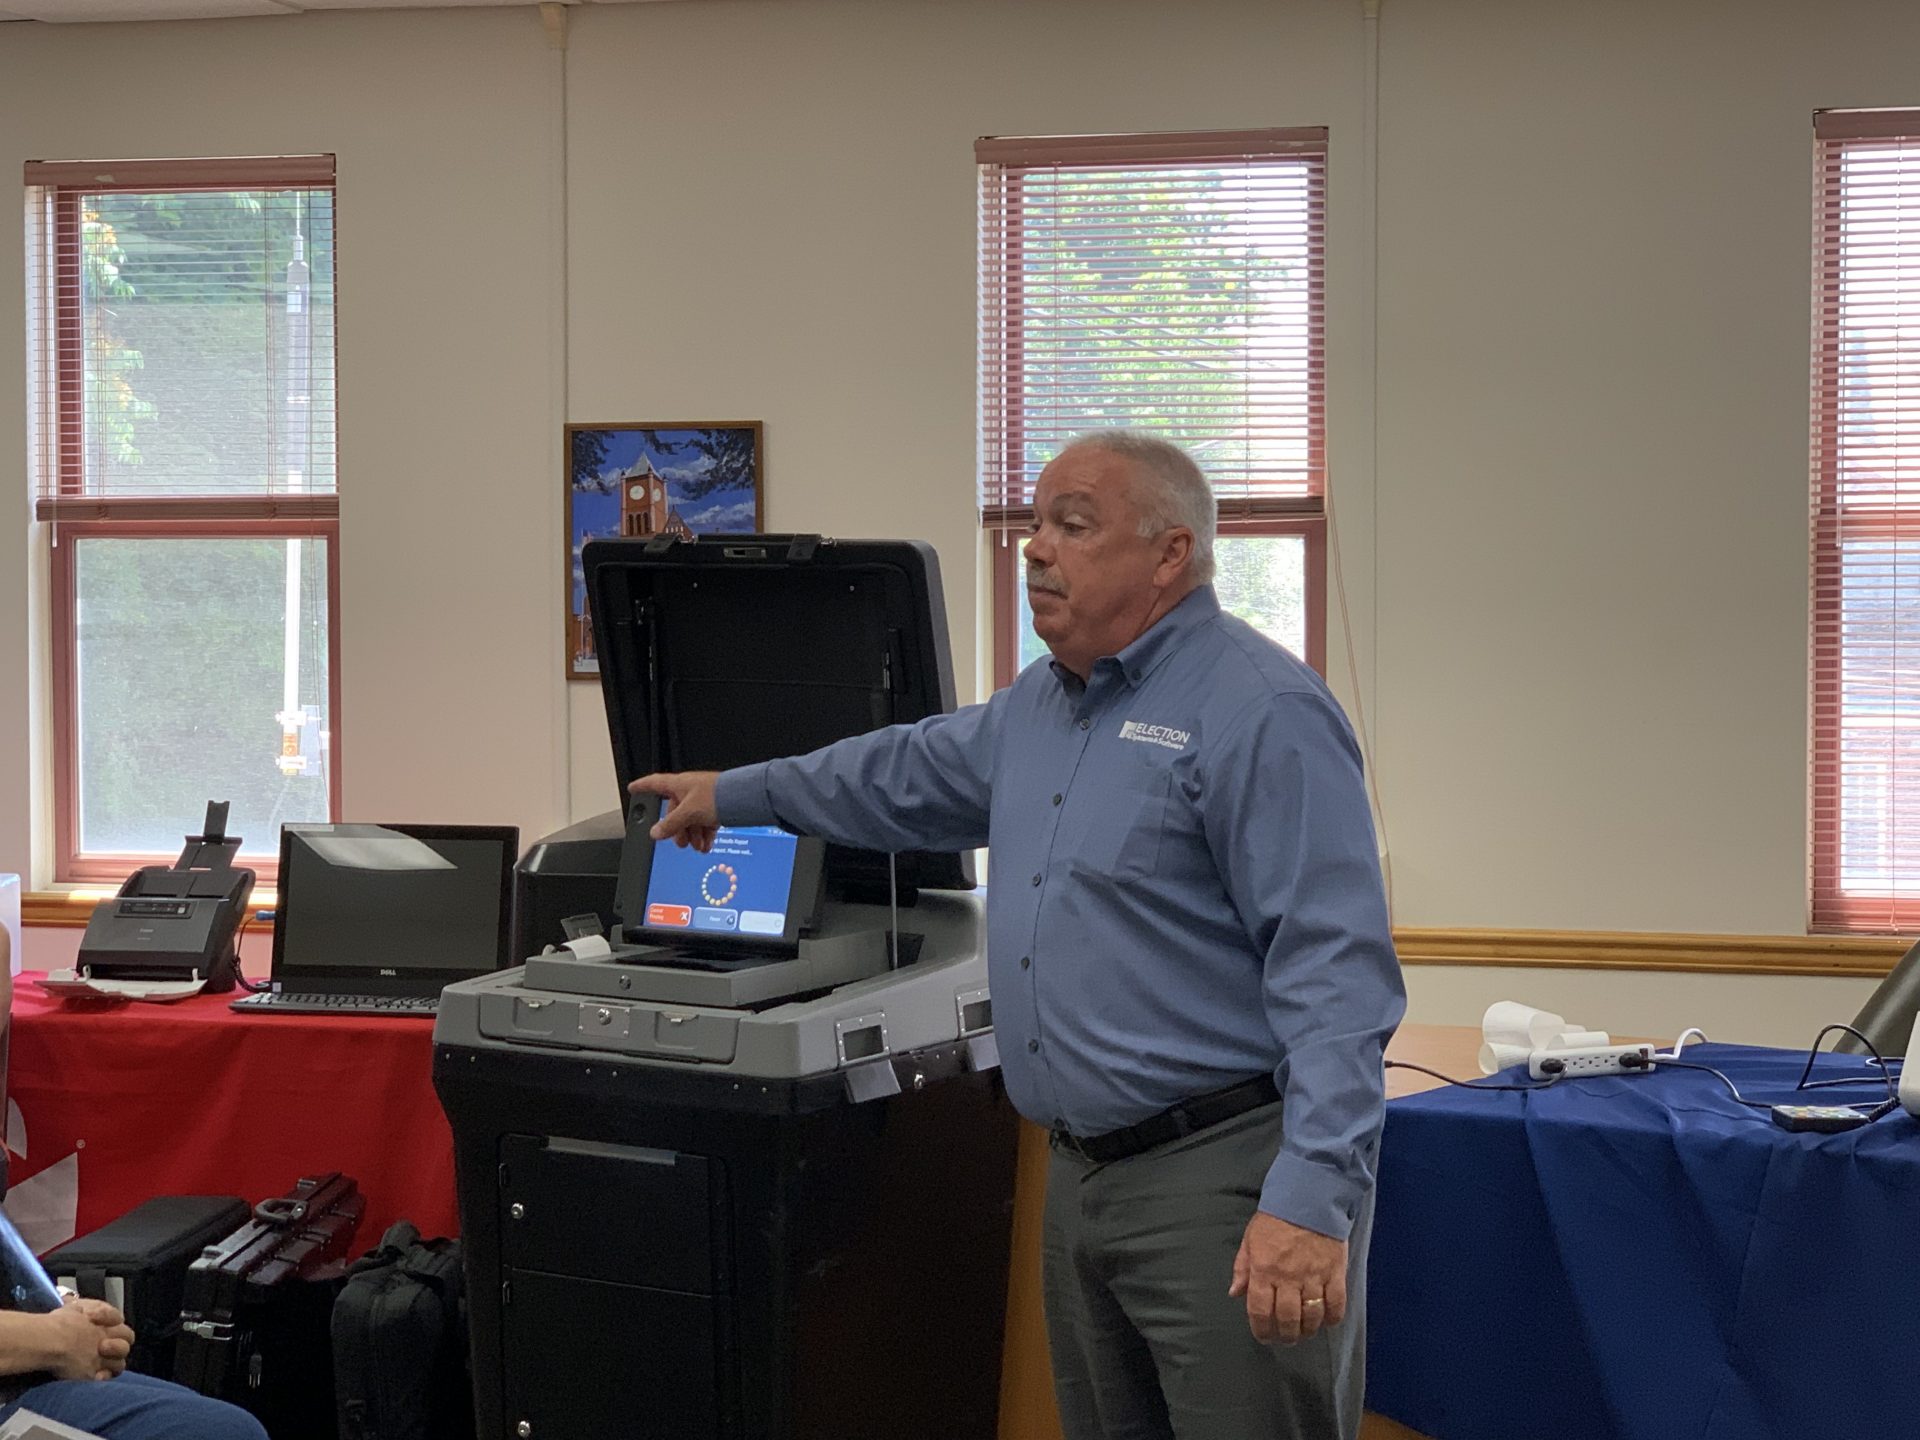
[1725, 1079]
[1882, 1108]
[1469, 1084]
[252, 987]
[1843, 1080]
[1878, 1110]
[1826, 1030]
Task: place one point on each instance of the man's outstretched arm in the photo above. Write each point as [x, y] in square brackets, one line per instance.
[926, 786]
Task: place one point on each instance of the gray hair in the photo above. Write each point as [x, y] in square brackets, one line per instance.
[1169, 489]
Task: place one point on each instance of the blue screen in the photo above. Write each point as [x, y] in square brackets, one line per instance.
[740, 887]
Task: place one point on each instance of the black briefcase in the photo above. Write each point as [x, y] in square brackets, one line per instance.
[138, 1264]
[254, 1324]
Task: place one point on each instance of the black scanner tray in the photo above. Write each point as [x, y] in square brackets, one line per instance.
[728, 650]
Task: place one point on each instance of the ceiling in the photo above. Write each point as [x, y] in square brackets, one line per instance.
[68, 11]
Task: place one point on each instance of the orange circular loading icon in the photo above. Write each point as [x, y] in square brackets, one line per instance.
[715, 877]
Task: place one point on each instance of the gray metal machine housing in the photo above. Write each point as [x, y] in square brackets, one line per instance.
[668, 1015]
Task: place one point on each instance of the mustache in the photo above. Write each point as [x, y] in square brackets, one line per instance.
[1038, 579]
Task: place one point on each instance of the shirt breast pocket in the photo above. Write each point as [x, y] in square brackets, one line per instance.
[1129, 828]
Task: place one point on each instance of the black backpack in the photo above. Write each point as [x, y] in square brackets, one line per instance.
[400, 1343]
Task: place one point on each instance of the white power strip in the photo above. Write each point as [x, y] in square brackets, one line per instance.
[1598, 1060]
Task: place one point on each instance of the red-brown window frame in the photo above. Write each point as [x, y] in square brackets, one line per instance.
[73, 515]
[1303, 516]
[1829, 909]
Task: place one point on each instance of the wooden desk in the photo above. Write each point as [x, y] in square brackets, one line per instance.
[1026, 1377]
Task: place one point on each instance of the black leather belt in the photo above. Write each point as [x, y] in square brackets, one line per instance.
[1174, 1123]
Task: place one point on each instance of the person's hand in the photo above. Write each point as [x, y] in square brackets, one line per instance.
[692, 818]
[87, 1340]
[1294, 1280]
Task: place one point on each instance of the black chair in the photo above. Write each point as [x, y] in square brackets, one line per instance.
[1887, 1017]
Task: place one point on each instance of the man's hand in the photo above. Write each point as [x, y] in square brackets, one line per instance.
[87, 1340]
[1295, 1280]
[692, 819]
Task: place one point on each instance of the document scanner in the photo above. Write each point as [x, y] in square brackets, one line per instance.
[171, 931]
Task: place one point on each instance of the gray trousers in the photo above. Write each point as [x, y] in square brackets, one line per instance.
[1146, 1342]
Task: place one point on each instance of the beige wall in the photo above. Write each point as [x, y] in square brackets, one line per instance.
[449, 534]
[1752, 1009]
[1593, 404]
[1576, 586]
[782, 226]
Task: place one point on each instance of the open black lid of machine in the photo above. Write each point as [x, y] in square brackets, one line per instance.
[732, 649]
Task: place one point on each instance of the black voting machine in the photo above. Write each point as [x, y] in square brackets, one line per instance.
[733, 1247]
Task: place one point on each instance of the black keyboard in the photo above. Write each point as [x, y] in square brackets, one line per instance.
[287, 1003]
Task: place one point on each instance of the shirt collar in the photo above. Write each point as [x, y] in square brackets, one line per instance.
[1145, 654]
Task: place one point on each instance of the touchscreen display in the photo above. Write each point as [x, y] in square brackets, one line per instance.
[742, 886]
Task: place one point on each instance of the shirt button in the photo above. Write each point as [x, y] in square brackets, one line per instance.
[1032, 1046]
[1056, 799]
[1036, 879]
[1086, 724]
[1025, 961]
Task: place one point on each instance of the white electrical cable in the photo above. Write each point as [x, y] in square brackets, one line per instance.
[1680, 1044]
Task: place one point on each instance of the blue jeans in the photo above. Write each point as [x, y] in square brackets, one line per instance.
[138, 1407]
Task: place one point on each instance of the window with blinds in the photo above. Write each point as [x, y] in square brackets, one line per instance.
[1171, 283]
[181, 335]
[1865, 790]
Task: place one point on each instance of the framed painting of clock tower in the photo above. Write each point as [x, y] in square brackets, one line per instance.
[683, 478]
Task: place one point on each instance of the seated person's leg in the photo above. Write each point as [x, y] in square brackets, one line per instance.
[138, 1407]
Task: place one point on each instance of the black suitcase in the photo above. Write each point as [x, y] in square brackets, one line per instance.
[138, 1264]
[400, 1342]
[254, 1322]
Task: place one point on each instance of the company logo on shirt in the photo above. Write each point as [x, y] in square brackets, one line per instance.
[1155, 734]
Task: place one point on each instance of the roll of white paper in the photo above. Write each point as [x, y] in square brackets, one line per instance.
[1578, 1040]
[1508, 1022]
[1495, 1056]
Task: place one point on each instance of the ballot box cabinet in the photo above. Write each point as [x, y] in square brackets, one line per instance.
[654, 1253]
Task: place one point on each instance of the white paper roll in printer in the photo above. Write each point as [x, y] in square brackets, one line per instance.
[1554, 1049]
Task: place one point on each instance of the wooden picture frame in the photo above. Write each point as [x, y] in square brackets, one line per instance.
[646, 478]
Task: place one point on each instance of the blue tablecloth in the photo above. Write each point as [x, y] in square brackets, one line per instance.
[1642, 1258]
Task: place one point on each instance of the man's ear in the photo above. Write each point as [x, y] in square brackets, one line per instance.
[1175, 552]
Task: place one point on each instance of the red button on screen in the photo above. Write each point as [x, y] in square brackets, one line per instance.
[679, 916]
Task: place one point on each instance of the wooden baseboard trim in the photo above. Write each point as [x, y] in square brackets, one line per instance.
[1869, 956]
[57, 910]
[1848, 955]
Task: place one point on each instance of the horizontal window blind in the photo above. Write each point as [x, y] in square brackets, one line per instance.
[1865, 790]
[183, 333]
[1171, 283]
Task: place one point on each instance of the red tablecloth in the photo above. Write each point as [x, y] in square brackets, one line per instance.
[192, 1098]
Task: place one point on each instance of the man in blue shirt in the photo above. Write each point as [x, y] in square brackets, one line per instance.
[1192, 968]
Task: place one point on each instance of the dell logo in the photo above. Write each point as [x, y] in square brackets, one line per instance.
[385, 971]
